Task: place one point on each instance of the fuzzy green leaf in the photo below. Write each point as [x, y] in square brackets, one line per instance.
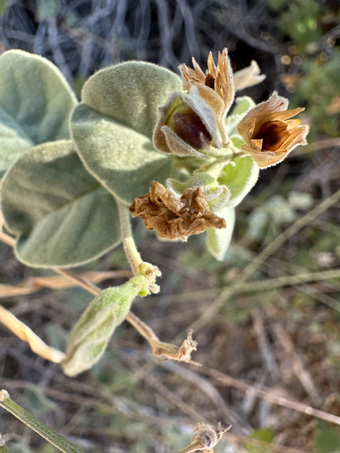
[113, 129]
[200, 179]
[60, 214]
[240, 178]
[231, 123]
[35, 104]
[243, 105]
[91, 334]
[123, 160]
[131, 93]
[218, 240]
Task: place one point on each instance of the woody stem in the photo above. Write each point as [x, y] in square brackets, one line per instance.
[130, 249]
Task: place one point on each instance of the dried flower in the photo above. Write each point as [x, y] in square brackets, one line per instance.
[185, 127]
[268, 132]
[205, 437]
[166, 351]
[175, 218]
[249, 76]
[216, 87]
[192, 123]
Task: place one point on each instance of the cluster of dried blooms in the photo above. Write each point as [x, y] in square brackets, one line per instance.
[175, 218]
[205, 437]
[192, 124]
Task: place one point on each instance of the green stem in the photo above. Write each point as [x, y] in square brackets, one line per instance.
[130, 249]
[138, 266]
[217, 165]
[44, 431]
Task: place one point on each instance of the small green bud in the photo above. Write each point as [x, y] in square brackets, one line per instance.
[91, 334]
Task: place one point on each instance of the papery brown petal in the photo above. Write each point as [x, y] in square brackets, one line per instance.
[256, 143]
[216, 87]
[211, 65]
[160, 195]
[268, 132]
[293, 124]
[198, 71]
[265, 159]
[273, 134]
[173, 218]
[248, 76]
[210, 96]
[289, 113]
[259, 113]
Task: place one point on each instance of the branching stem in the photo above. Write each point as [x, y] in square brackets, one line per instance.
[138, 266]
[159, 349]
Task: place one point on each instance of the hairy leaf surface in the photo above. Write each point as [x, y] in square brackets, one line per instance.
[91, 334]
[60, 214]
[35, 104]
[240, 178]
[218, 240]
[113, 127]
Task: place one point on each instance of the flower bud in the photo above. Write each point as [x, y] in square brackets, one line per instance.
[192, 123]
[188, 126]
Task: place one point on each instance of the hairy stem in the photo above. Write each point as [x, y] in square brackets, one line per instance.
[138, 266]
[159, 349]
[130, 249]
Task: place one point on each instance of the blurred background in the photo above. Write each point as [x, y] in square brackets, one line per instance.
[267, 317]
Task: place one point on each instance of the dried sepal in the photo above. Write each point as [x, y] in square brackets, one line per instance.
[166, 351]
[175, 218]
[216, 87]
[151, 272]
[269, 133]
[249, 76]
[205, 437]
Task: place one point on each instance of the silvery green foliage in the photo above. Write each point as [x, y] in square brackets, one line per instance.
[35, 104]
[58, 196]
[59, 213]
[68, 165]
[112, 128]
[217, 195]
[89, 337]
[240, 177]
[218, 240]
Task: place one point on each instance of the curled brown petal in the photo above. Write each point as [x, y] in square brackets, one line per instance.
[268, 132]
[216, 87]
[205, 437]
[175, 218]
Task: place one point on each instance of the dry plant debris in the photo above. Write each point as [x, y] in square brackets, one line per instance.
[205, 438]
[175, 218]
[269, 133]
